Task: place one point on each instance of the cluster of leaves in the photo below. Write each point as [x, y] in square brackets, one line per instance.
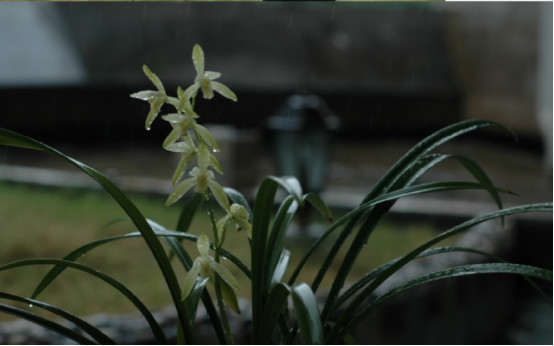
[272, 320]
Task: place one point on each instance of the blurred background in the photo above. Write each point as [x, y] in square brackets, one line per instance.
[370, 80]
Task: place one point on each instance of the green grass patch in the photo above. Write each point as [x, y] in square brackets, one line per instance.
[49, 223]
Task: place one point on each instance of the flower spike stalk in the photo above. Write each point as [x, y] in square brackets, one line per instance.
[193, 141]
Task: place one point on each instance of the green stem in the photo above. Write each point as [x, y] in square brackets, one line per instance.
[223, 313]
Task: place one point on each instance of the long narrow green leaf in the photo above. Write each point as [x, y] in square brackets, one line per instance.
[278, 231]
[307, 313]
[291, 185]
[154, 326]
[400, 172]
[283, 322]
[369, 226]
[238, 198]
[543, 207]
[41, 321]
[347, 264]
[281, 267]
[315, 200]
[429, 161]
[275, 303]
[192, 300]
[409, 191]
[375, 272]
[94, 332]
[348, 339]
[472, 269]
[14, 139]
[263, 209]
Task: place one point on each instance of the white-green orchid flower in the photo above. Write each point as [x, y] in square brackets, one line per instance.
[155, 98]
[239, 215]
[182, 123]
[205, 79]
[188, 151]
[202, 179]
[205, 266]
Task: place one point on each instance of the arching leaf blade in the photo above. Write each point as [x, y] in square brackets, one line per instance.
[192, 300]
[307, 314]
[408, 191]
[291, 185]
[94, 332]
[399, 176]
[281, 267]
[277, 235]
[263, 209]
[11, 138]
[315, 200]
[46, 323]
[542, 207]
[367, 278]
[275, 303]
[465, 270]
[154, 326]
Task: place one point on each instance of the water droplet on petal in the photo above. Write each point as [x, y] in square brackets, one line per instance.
[30, 305]
[148, 128]
[216, 150]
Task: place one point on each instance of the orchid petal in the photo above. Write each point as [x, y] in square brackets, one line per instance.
[190, 278]
[186, 106]
[223, 90]
[189, 141]
[181, 168]
[190, 91]
[225, 274]
[240, 216]
[203, 156]
[207, 90]
[215, 164]
[147, 95]
[180, 190]
[212, 75]
[203, 245]
[173, 136]
[155, 107]
[245, 226]
[180, 147]
[219, 195]
[174, 118]
[173, 101]
[157, 82]
[207, 136]
[221, 226]
[198, 59]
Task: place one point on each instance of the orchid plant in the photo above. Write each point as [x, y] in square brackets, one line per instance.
[273, 320]
[194, 140]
